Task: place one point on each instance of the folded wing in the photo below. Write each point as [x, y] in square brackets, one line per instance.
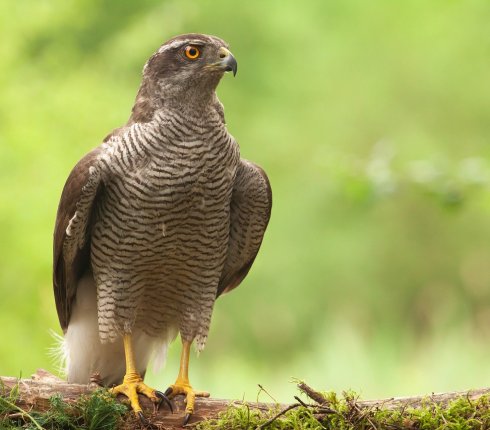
[251, 205]
[71, 246]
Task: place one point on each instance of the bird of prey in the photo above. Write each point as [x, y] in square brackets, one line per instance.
[156, 223]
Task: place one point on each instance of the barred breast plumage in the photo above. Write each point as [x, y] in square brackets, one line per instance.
[156, 223]
[161, 230]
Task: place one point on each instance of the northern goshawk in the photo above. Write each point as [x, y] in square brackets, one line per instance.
[156, 223]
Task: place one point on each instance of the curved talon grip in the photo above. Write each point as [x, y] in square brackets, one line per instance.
[163, 398]
[186, 419]
[144, 421]
[168, 391]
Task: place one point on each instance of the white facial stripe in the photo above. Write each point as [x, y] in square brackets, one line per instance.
[172, 45]
[180, 43]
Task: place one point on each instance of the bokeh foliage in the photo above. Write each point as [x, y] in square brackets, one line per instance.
[372, 119]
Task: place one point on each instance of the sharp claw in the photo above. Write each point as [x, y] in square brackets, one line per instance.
[187, 418]
[168, 391]
[163, 398]
[144, 421]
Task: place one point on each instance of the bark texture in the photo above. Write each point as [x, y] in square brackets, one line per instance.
[35, 394]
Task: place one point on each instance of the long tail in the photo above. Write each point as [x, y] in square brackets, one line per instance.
[84, 353]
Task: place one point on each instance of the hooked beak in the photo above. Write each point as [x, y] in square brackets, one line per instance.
[227, 61]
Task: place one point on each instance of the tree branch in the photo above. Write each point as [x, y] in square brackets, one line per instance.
[34, 395]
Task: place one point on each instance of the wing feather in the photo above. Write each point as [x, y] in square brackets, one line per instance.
[250, 212]
[71, 245]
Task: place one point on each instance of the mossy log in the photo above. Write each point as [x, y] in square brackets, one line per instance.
[34, 395]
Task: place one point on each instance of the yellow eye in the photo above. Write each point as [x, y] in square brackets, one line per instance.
[192, 52]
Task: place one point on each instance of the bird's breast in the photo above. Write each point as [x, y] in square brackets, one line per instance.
[181, 192]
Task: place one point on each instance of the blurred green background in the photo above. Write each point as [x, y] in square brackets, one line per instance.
[372, 119]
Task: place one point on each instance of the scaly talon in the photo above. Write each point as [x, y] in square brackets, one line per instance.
[133, 385]
[182, 385]
[188, 391]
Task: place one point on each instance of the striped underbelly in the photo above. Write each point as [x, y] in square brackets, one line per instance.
[157, 253]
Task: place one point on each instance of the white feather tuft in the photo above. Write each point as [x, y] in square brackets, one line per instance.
[83, 352]
[57, 353]
[160, 349]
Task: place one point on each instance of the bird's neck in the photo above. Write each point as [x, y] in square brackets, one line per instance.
[190, 103]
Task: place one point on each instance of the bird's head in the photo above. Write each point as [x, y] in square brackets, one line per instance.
[188, 68]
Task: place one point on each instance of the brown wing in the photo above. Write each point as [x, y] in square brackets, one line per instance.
[251, 205]
[71, 245]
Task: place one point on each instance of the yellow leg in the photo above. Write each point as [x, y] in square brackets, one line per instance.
[133, 382]
[182, 385]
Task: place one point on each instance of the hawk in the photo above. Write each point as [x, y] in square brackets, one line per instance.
[155, 224]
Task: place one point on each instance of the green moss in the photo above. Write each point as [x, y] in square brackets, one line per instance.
[100, 411]
[97, 411]
[345, 413]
